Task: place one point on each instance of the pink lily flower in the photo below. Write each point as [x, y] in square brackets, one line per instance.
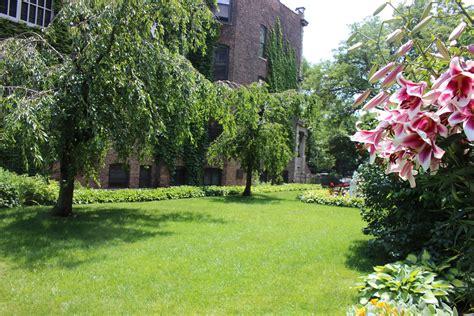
[428, 126]
[466, 116]
[402, 164]
[409, 97]
[458, 88]
[404, 48]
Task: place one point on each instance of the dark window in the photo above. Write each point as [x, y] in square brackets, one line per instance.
[180, 177]
[212, 176]
[224, 10]
[145, 177]
[118, 176]
[214, 130]
[3, 6]
[221, 62]
[239, 174]
[38, 12]
[263, 42]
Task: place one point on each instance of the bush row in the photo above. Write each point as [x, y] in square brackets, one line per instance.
[89, 196]
[324, 196]
[18, 190]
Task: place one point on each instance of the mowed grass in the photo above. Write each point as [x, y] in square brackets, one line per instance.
[266, 254]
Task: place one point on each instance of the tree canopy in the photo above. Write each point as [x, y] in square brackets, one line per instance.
[104, 74]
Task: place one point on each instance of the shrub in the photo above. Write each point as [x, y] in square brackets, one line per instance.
[324, 196]
[89, 196]
[16, 190]
[416, 281]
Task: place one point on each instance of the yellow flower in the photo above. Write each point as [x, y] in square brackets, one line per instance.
[361, 311]
[374, 301]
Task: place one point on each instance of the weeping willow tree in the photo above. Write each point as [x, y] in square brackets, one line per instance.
[104, 74]
[281, 56]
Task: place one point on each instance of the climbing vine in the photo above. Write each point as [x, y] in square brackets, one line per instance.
[281, 56]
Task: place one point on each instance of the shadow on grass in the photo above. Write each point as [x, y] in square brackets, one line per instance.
[253, 199]
[30, 236]
[364, 255]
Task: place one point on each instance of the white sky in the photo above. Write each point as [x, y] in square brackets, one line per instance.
[329, 20]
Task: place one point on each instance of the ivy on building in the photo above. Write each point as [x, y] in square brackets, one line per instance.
[282, 64]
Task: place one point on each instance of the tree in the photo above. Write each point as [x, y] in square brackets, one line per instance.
[104, 74]
[256, 132]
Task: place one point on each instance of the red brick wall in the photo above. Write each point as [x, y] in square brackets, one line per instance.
[242, 36]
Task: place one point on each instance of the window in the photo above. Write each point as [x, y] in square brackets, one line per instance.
[145, 177]
[212, 176]
[223, 10]
[239, 174]
[214, 130]
[118, 176]
[221, 62]
[263, 42]
[180, 177]
[33, 12]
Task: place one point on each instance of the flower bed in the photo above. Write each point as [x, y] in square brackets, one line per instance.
[323, 196]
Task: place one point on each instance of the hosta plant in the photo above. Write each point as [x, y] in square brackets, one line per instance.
[377, 307]
[414, 281]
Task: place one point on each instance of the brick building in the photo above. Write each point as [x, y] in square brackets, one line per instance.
[238, 60]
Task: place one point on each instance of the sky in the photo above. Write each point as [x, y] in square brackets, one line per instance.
[329, 20]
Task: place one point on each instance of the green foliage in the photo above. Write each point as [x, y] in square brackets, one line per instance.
[412, 282]
[18, 190]
[281, 57]
[324, 197]
[92, 196]
[119, 79]
[382, 307]
[256, 131]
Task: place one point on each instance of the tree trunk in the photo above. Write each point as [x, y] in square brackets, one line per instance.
[248, 184]
[63, 207]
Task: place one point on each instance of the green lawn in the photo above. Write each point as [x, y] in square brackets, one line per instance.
[266, 254]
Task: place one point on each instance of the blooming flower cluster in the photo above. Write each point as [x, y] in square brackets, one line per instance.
[413, 119]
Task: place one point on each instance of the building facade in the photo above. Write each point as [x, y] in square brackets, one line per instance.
[239, 59]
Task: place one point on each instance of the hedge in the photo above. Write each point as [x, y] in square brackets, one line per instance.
[324, 196]
[89, 196]
[18, 190]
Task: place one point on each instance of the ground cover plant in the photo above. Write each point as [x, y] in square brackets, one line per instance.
[219, 255]
[326, 197]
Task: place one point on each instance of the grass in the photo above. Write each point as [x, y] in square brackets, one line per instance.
[265, 254]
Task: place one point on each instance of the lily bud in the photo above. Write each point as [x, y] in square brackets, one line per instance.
[457, 31]
[442, 49]
[377, 100]
[354, 47]
[395, 36]
[361, 98]
[404, 48]
[470, 49]
[421, 25]
[382, 72]
[392, 76]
